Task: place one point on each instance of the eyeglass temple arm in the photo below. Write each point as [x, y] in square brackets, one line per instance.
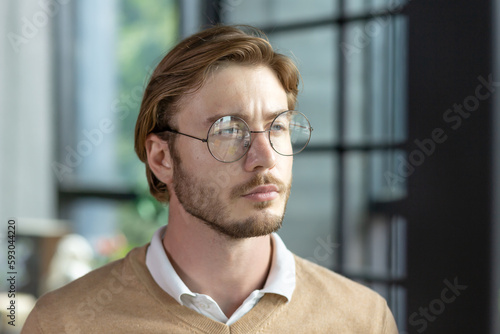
[184, 134]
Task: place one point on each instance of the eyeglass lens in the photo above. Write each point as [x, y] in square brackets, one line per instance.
[229, 137]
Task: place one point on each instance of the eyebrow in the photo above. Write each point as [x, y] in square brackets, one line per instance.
[269, 116]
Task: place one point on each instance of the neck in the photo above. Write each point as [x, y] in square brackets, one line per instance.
[226, 269]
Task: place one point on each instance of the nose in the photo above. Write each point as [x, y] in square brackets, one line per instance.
[260, 155]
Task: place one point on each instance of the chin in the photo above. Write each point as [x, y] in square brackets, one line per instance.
[273, 208]
[261, 214]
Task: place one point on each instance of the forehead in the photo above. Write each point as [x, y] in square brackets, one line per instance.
[241, 90]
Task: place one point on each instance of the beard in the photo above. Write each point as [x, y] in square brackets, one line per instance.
[202, 199]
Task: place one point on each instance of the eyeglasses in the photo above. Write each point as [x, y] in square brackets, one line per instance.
[229, 137]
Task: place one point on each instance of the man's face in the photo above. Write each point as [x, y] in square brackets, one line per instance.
[246, 198]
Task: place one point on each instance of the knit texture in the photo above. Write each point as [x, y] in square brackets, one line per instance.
[122, 297]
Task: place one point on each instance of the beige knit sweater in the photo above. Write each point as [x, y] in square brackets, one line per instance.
[122, 297]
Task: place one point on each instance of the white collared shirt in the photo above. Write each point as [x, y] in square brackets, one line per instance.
[281, 280]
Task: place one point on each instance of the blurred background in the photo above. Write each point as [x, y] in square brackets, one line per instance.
[398, 189]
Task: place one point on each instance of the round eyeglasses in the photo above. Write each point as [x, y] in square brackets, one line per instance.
[229, 137]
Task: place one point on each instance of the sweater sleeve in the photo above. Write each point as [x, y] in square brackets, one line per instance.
[31, 325]
[389, 322]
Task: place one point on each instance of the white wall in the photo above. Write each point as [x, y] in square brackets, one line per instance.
[27, 113]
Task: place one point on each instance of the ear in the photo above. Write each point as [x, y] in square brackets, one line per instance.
[159, 158]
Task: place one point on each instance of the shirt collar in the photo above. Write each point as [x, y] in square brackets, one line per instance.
[281, 278]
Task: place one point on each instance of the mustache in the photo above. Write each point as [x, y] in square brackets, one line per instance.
[257, 180]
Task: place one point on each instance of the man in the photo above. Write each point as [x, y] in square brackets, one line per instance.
[219, 105]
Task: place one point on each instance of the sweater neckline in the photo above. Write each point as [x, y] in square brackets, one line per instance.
[268, 306]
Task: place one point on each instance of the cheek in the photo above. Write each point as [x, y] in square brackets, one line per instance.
[194, 154]
[218, 177]
[285, 167]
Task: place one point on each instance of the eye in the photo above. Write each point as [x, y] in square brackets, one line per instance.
[227, 129]
[279, 127]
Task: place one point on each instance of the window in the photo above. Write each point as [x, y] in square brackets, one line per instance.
[343, 210]
[108, 50]
[357, 205]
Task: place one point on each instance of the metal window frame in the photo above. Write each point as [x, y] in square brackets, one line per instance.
[340, 149]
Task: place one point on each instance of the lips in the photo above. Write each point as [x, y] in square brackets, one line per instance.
[262, 193]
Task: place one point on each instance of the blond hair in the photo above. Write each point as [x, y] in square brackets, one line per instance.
[185, 69]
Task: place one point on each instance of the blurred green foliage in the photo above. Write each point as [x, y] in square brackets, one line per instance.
[148, 29]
